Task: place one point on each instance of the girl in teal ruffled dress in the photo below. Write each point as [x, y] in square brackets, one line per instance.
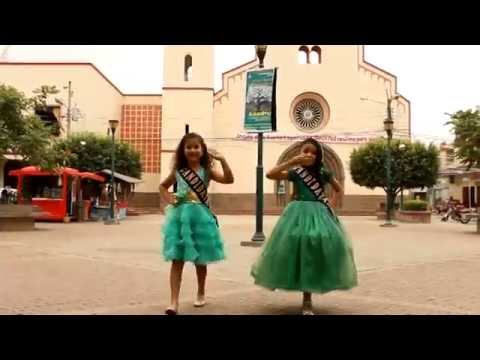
[308, 249]
[191, 230]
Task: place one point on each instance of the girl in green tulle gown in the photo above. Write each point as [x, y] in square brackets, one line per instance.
[308, 249]
[191, 230]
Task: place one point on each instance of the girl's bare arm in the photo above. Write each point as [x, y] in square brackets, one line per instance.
[164, 186]
[223, 178]
[226, 177]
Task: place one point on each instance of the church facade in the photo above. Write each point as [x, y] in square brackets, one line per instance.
[328, 92]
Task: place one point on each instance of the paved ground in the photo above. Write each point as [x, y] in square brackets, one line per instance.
[91, 268]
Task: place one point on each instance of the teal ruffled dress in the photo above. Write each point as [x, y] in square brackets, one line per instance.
[190, 232]
[308, 249]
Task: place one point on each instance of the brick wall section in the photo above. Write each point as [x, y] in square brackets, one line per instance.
[424, 217]
[17, 224]
[244, 204]
[141, 127]
[144, 200]
[360, 204]
[16, 217]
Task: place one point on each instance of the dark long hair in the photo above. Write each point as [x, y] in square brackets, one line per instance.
[180, 158]
[317, 168]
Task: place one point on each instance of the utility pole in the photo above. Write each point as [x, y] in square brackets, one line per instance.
[69, 108]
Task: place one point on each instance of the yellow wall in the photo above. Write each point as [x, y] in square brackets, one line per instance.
[150, 183]
[98, 99]
[342, 79]
[242, 157]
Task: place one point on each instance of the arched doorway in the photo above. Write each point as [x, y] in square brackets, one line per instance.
[331, 161]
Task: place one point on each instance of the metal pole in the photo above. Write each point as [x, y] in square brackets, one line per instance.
[69, 110]
[388, 164]
[112, 200]
[259, 235]
[389, 180]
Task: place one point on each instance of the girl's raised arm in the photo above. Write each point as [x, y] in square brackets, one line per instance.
[227, 176]
[280, 172]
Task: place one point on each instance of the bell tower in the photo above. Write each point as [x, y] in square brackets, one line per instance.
[188, 87]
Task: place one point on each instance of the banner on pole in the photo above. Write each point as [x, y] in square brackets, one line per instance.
[260, 106]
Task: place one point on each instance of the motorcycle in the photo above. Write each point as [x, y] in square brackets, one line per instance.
[458, 215]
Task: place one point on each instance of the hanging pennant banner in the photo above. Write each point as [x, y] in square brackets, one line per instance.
[328, 139]
[260, 106]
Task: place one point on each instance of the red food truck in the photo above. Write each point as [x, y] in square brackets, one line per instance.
[58, 194]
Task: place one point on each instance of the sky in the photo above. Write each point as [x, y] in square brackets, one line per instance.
[435, 78]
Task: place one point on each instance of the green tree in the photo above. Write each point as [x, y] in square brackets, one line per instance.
[21, 132]
[466, 127]
[40, 104]
[43, 92]
[413, 165]
[91, 152]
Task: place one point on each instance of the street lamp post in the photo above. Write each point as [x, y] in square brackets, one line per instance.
[259, 237]
[113, 126]
[402, 148]
[388, 126]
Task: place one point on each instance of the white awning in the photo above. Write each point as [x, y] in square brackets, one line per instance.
[122, 177]
[419, 190]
